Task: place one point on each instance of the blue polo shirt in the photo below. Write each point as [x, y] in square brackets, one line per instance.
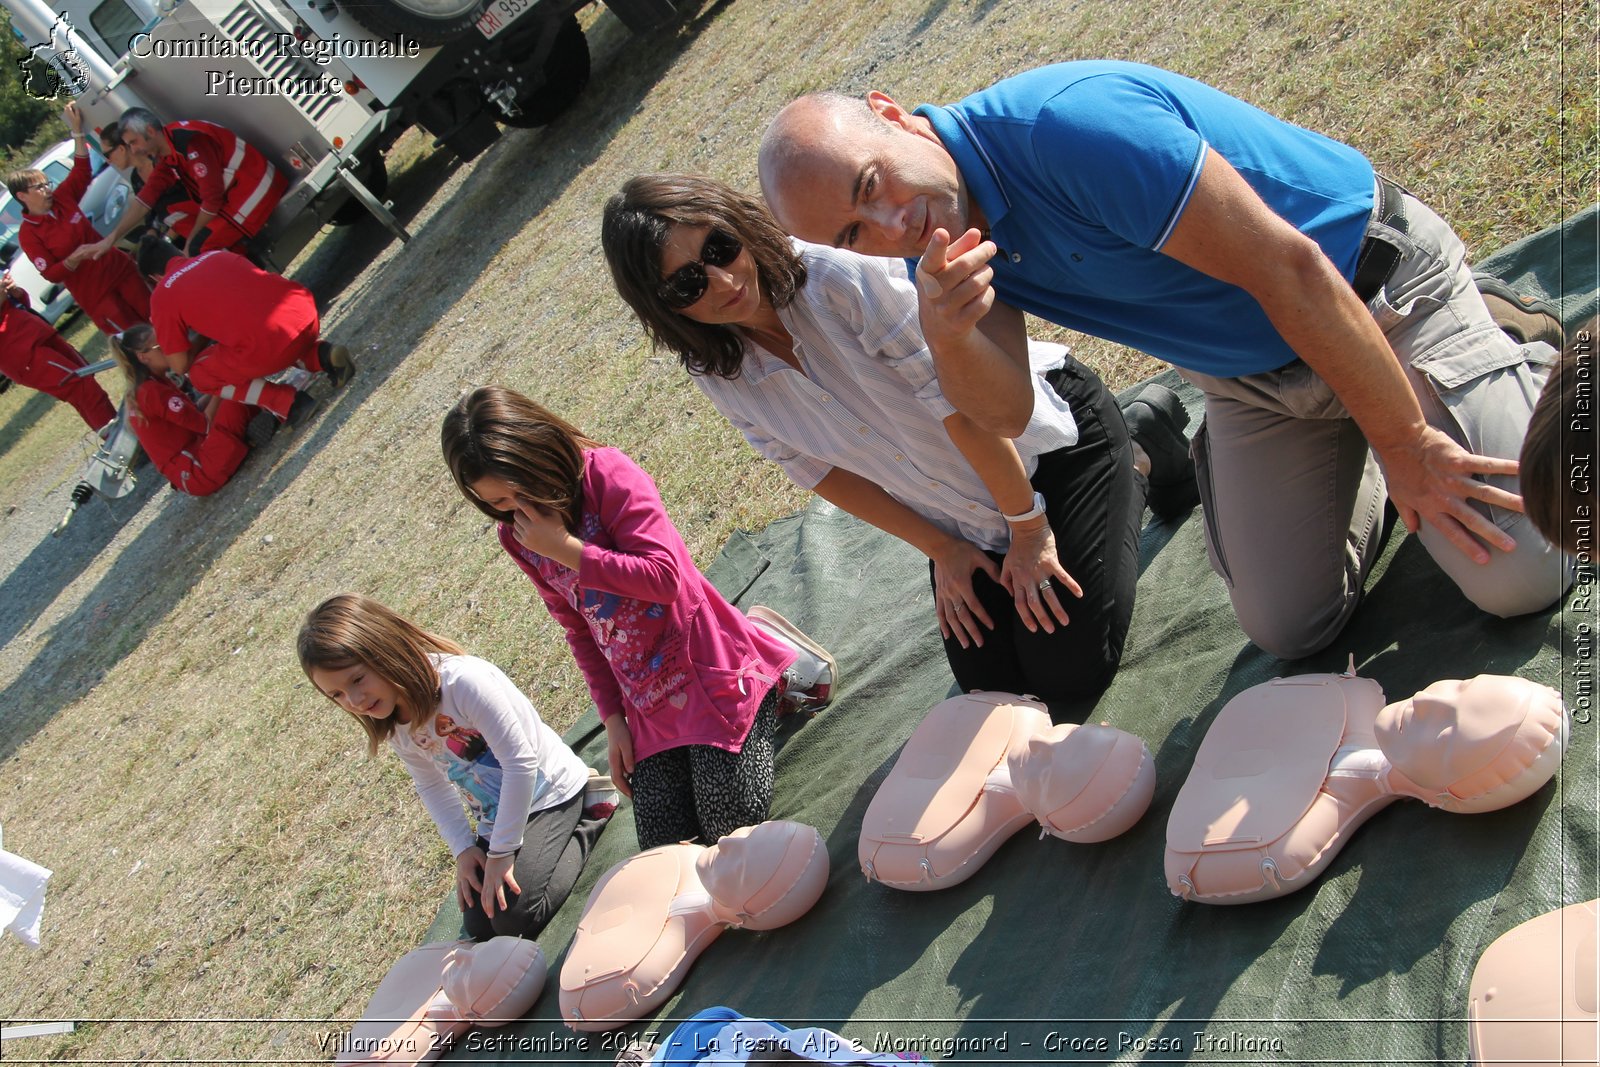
[1082, 170]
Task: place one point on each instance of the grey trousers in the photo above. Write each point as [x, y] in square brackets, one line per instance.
[1292, 498]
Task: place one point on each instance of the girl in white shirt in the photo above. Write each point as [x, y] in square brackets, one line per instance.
[465, 733]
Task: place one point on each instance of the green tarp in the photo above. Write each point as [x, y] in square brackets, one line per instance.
[1067, 953]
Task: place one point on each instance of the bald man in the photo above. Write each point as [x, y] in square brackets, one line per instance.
[1320, 309]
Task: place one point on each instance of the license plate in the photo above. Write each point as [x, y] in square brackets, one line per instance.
[500, 14]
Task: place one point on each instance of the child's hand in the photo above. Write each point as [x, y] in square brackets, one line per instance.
[619, 751]
[497, 877]
[469, 877]
[541, 530]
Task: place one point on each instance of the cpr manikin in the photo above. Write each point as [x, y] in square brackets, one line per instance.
[650, 916]
[435, 993]
[1534, 993]
[980, 767]
[1291, 768]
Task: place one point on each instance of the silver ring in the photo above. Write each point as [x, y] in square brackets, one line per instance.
[1044, 585]
[961, 607]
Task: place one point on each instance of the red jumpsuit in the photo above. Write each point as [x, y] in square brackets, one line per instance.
[224, 175]
[33, 354]
[261, 323]
[196, 459]
[108, 289]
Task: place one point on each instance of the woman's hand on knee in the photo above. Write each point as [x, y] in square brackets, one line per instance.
[1033, 575]
[955, 600]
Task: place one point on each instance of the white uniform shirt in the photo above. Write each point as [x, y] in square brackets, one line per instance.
[487, 742]
[869, 401]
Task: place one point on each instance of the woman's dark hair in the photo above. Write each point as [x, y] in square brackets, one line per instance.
[638, 223]
[1563, 507]
[494, 432]
[154, 253]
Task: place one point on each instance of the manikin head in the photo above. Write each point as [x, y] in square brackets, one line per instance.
[867, 175]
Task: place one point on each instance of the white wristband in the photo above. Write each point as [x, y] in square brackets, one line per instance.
[1032, 513]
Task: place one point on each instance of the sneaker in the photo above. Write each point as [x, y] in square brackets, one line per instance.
[600, 796]
[1525, 318]
[809, 681]
[1156, 419]
[263, 424]
[299, 411]
[337, 362]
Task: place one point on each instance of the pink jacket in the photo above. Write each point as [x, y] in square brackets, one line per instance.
[655, 641]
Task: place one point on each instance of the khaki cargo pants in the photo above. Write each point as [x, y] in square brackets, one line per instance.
[1292, 499]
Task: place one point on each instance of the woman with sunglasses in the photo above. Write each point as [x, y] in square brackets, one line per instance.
[196, 449]
[817, 356]
[109, 289]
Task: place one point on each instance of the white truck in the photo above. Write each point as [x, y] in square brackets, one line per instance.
[324, 87]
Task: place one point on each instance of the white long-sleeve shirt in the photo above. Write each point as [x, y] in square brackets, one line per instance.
[486, 745]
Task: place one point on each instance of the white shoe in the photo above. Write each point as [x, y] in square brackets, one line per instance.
[809, 681]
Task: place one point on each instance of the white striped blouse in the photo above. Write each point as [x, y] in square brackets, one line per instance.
[869, 401]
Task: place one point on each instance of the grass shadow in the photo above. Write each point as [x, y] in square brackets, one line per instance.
[26, 418]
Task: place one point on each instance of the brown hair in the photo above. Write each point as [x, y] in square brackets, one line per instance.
[351, 629]
[494, 432]
[19, 180]
[123, 347]
[111, 134]
[637, 225]
[1560, 499]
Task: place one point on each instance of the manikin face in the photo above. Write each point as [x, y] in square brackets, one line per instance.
[357, 689]
[880, 194]
[733, 292]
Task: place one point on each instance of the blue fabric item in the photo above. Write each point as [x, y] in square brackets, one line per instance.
[688, 1042]
[1082, 169]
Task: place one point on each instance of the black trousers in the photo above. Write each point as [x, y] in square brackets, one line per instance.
[1094, 502]
[555, 846]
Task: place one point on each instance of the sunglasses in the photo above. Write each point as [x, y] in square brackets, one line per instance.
[686, 285]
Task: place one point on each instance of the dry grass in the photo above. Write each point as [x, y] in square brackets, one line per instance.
[221, 848]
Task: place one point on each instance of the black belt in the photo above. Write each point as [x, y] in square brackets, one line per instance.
[1378, 257]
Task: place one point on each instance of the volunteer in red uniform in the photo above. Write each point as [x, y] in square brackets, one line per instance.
[109, 289]
[235, 186]
[259, 323]
[33, 354]
[197, 451]
[174, 212]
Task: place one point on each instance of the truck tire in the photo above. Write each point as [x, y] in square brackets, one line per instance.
[428, 22]
[642, 16]
[566, 72]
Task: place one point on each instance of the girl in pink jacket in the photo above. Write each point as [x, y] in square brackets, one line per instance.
[688, 688]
